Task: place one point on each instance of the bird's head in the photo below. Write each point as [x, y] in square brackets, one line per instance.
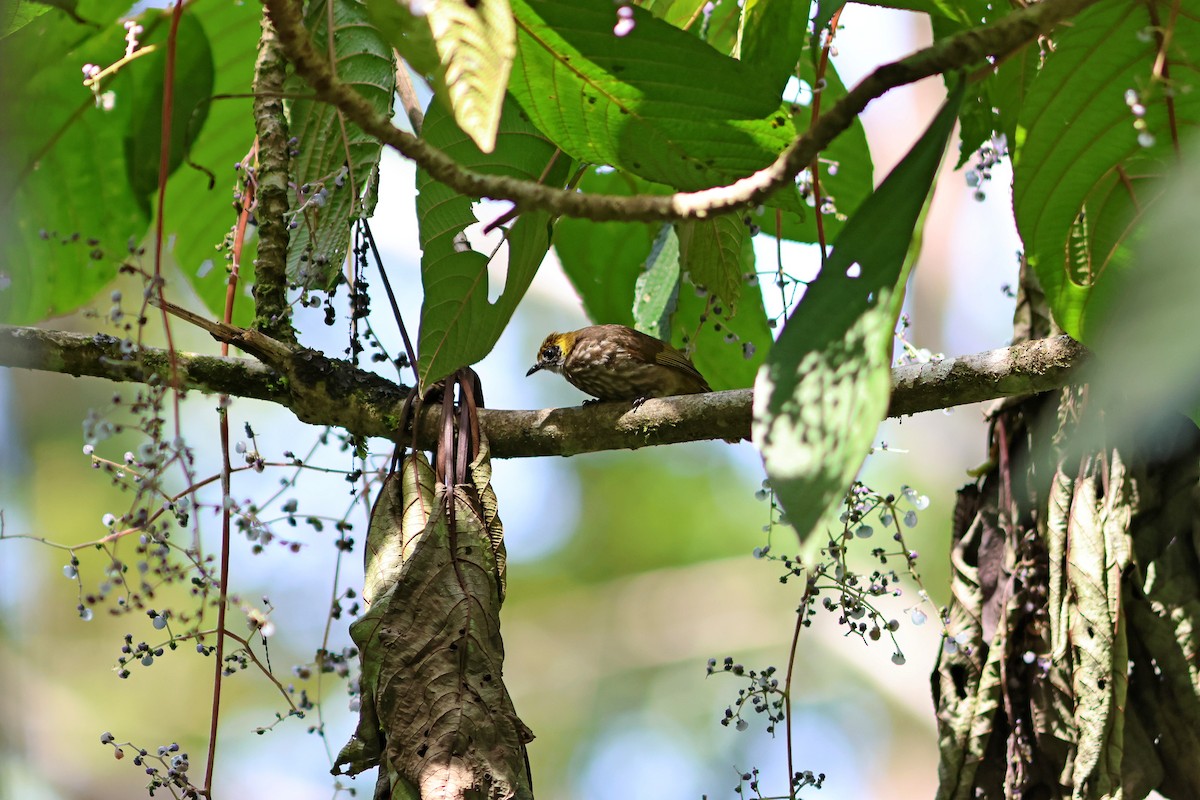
[553, 352]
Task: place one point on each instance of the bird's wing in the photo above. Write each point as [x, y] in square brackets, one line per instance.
[670, 357]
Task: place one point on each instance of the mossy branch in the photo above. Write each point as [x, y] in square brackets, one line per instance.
[326, 391]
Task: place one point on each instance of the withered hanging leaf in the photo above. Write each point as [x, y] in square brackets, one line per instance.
[435, 712]
[1098, 533]
[481, 476]
[398, 518]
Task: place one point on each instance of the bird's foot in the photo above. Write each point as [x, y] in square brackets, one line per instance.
[637, 402]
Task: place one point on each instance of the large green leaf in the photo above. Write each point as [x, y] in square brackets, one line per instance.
[335, 169]
[192, 89]
[16, 14]
[825, 387]
[656, 102]
[199, 214]
[67, 212]
[1081, 153]
[459, 325]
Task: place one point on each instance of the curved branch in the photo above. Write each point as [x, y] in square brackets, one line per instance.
[956, 52]
[324, 391]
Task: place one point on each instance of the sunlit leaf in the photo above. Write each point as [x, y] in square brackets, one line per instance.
[826, 384]
[476, 42]
[657, 288]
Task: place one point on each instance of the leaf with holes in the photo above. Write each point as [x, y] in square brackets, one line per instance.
[1084, 165]
[825, 387]
[712, 253]
[336, 167]
[459, 325]
[656, 102]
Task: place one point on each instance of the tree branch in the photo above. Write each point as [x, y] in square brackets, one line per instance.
[963, 50]
[324, 391]
[272, 313]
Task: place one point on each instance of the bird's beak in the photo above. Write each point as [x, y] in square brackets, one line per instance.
[533, 369]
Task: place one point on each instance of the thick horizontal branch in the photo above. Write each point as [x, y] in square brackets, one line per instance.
[961, 51]
[324, 391]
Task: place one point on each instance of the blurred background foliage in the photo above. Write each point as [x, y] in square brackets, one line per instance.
[628, 571]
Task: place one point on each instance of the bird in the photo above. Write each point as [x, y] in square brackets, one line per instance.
[615, 362]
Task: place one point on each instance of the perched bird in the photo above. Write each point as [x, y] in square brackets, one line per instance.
[613, 362]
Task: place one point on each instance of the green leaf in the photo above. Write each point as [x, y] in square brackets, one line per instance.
[1081, 153]
[336, 168]
[604, 260]
[656, 102]
[16, 14]
[459, 325]
[771, 36]
[711, 252]
[476, 42]
[199, 214]
[67, 213]
[825, 387]
[657, 288]
[729, 347]
[143, 91]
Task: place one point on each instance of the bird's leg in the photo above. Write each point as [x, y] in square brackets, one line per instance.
[637, 402]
